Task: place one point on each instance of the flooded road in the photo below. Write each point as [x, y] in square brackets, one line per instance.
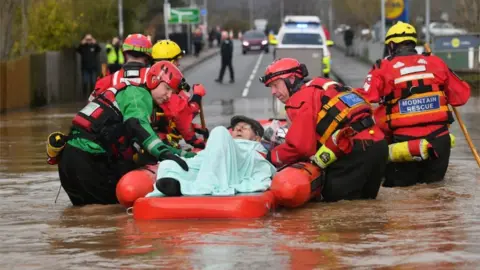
[435, 226]
[421, 227]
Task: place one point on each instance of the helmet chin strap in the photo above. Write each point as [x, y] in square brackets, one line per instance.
[293, 87]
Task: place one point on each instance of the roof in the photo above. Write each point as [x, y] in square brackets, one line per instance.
[304, 19]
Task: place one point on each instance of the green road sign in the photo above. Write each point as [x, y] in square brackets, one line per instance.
[184, 15]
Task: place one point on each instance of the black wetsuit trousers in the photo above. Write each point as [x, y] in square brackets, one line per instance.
[89, 178]
[410, 173]
[357, 175]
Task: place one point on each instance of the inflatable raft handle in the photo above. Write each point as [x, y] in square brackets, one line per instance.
[130, 211]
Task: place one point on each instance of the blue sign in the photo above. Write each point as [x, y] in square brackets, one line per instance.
[460, 42]
[203, 12]
[423, 104]
[351, 99]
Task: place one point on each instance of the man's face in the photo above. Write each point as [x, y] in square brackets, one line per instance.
[279, 90]
[162, 93]
[89, 38]
[115, 41]
[244, 131]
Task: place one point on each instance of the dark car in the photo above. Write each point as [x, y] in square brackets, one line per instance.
[254, 41]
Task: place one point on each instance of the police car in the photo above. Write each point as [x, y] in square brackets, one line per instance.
[303, 38]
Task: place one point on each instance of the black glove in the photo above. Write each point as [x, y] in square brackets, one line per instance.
[202, 131]
[197, 143]
[168, 155]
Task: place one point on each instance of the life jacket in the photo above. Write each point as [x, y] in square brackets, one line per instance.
[132, 72]
[417, 97]
[101, 121]
[165, 126]
[341, 107]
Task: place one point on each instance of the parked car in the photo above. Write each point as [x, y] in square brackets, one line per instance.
[443, 28]
[254, 40]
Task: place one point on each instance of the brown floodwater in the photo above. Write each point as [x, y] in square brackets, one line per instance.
[422, 227]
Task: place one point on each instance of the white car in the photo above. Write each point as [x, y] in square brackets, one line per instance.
[443, 29]
[303, 38]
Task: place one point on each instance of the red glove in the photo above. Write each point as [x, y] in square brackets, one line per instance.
[198, 89]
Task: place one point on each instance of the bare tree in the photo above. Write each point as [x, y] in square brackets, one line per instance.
[7, 12]
[24, 39]
[468, 12]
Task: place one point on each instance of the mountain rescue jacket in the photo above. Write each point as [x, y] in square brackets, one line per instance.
[415, 90]
[315, 114]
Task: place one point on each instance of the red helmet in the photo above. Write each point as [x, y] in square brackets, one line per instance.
[137, 43]
[282, 69]
[166, 72]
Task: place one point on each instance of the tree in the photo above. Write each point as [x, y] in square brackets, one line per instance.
[7, 12]
[469, 14]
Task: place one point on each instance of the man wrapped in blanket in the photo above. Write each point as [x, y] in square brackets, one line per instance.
[230, 163]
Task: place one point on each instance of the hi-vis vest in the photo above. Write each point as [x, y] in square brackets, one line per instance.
[101, 121]
[416, 99]
[114, 55]
[341, 107]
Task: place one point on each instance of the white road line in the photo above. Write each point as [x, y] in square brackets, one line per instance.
[252, 76]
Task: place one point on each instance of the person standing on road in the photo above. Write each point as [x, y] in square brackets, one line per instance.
[331, 125]
[348, 36]
[115, 57]
[88, 50]
[226, 51]
[414, 91]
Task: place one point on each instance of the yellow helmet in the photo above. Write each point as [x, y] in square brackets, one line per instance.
[166, 50]
[401, 32]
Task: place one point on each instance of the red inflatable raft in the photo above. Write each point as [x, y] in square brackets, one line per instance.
[250, 205]
[292, 186]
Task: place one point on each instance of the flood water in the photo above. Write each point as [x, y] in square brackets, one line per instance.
[421, 227]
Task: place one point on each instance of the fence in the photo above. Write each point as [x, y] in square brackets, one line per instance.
[460, 52]
[40, 79]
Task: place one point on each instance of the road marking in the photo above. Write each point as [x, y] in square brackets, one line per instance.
[252, 76]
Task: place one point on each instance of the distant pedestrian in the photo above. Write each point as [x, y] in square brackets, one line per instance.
[212, 35]
[348, 36]
[197, 41]
[218, 36]
[89, 49]
[226, 51]
[115, 58]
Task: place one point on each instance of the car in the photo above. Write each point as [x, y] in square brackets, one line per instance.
[254, 41]
[303, 38]
[443, 28]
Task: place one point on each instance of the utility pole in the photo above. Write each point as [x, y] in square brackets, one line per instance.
[166, 16]
[120, 19]
[427, 21]
[330, 16]
[382, 33]
[250, 10]
[282, 11]
[205, 18]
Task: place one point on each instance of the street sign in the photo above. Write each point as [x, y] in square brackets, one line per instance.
[203, 12]
[184, 16]
[456, 43]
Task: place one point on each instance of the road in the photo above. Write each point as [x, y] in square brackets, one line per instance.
[246, 96]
